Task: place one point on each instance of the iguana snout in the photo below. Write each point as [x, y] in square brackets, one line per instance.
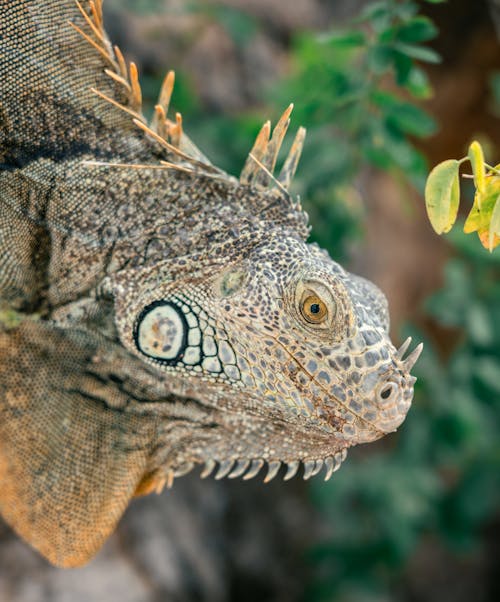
[379, 391]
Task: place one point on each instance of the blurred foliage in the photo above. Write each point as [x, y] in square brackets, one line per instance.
[137, 6]
[495, 92]
[353, 88]
[442, 192]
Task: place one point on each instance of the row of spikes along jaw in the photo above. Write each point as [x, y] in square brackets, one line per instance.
[248, 469]
[168, 134]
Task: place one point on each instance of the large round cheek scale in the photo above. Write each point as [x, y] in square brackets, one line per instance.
[161, 332]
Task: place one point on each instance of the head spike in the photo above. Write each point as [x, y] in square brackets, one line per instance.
[402, 350]
[271, 176]
[209, 467]
[254, 469]
[239, 469]
[291, 162]
[209, 170]
[413, 357]
[274, 146]
[317, 468]
[167, 88]
[136, 95]
[159, 122]
[330, 465]
[309, 467]
[251, 168]
[224, 469]
[118, 78]
[137, 116]
[176, 130]
[96, 9]
[92, 23]
[122, 65]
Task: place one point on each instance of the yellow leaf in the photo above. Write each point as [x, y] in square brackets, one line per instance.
[442, 192]
[476, 158]
[484, 237]
[475, 218]
[479, 217]
[494, 229]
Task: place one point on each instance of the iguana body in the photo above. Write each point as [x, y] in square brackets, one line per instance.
[155, 313]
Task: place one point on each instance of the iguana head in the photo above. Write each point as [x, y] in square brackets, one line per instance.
[300, 343]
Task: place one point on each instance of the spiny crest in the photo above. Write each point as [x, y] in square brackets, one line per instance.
[169, 134]
[249, 469]
[259, 167]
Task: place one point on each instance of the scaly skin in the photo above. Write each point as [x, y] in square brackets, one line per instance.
[156, 313]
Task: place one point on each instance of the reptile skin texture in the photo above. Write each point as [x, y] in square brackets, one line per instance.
[158, 315]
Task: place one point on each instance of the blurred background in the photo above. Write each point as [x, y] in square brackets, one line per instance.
[386, 90]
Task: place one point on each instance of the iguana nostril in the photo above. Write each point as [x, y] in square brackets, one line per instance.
[385, 393]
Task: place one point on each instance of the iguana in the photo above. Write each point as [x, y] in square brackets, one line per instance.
[157, 314]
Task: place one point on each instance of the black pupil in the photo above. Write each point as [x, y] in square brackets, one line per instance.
[314, 309]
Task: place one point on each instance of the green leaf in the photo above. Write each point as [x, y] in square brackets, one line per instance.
[495, 90]
[476, 158]
[405, 10]
[480, 216]
[477, 218]
[418, 83]
[350, 38]
[378, 14]
[403, 65]
[442, 192]
[494, 225]
[488, 369]
[479, 324]
[420, 53]
[380, 58]
[374, 9]
[419, 29]
[403, 117]
[411, 120]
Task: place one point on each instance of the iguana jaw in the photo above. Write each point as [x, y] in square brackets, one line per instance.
[233, 445]
[223, 442]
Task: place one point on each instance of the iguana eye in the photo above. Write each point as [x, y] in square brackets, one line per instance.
[312, 308]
